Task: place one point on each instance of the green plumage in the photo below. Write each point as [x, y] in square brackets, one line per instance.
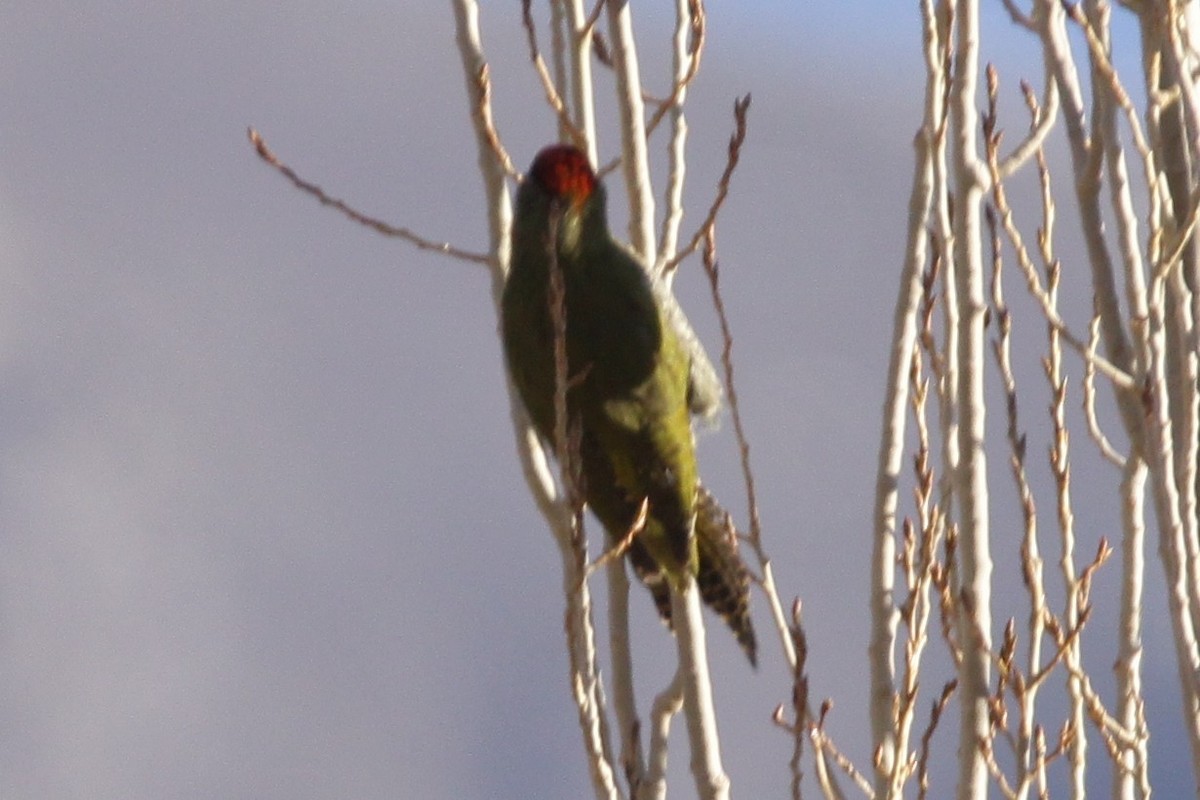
[629, 387]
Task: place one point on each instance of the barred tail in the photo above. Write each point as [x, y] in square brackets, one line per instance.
[723, 579]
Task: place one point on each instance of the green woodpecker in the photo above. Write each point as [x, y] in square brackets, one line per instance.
[628, 388]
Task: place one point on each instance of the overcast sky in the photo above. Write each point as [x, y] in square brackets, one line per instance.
[264, 533]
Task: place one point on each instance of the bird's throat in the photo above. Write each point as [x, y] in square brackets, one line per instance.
[569, 230]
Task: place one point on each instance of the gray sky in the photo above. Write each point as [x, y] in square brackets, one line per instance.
[264, 532]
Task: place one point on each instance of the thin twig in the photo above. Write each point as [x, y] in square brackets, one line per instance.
[1089, 400]
[444, 248]
[1119, 377]
[488, 123]
[740, 108]
[935, 716]
[620, 548]
[826, 746]
[904, 348]
[1019, 17]
[1044, 122]
[553, 96]
[681, 83]
[799, 698]
[712, 270]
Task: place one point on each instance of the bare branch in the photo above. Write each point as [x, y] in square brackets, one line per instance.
[668, 703]
[935, 716]
[799, 697]
[444, 248]
[1089, 399]
[619, 549]
[553, 96]
[1019, 17]
[631, 113]
[694, 47]
[905, 348]
[970, 476]
[1034, 284]
[488, 124]
[585, 679]
[825, 746]
[740, 108]
[711, 781]
[685, 63]
[712, 270]
[1044, 120]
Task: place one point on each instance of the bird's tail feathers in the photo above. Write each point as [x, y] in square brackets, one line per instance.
[723, 579]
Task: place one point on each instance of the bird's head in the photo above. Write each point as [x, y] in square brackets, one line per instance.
[562, 187]
[564, 174]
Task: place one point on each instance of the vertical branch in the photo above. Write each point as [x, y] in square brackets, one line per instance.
[1180, 293]
[1131, 770]
[884, 617]
[681, 61]
[585, 682]
[711, 781]
[1086, 162]
[580, 27]
[1165, 123]
[1180, 61]
[1152, 324]
[621, 654]
[800, 710]
[636, 163]
[582, 102]
[1155, 330]
[1060, 467]
[1059, 458]
[576, 55]
[1181, 355]
[971, 490]
[946, 367]
[1169, 127]
[1032, 741]
[1172, 547]
[559, 32]
[499, 205]
[1032, 565]
[666, 705]
[918, 559]
[585, 674]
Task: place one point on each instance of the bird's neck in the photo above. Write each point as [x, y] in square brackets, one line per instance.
[582, 234]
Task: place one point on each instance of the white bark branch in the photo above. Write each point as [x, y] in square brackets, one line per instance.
[884, 617]
[585, 682]
[711, 781]
[636, 162]
[975, 563]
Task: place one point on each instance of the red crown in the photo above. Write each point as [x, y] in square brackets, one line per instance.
[564, 172]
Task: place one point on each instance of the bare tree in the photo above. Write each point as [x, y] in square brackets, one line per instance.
[962, 229]
[936, 642]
